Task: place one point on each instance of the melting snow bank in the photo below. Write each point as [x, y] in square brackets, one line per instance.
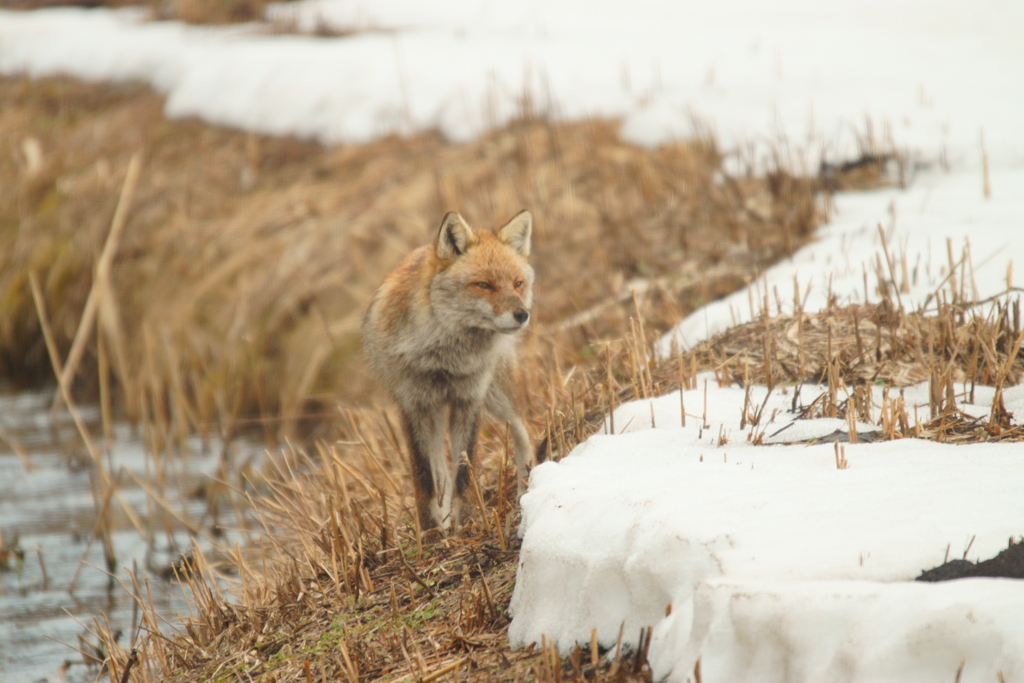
[850, 631]
[777, 565]
[800, 77]
[940, 217]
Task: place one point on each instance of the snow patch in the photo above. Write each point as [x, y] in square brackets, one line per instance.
[774, 563]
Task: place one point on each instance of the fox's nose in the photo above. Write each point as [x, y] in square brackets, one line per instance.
[521, 316]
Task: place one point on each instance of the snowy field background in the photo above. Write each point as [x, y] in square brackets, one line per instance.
[808, 74]
[777, 565]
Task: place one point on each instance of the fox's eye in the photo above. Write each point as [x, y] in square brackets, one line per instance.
[519, 283]
[483, 285]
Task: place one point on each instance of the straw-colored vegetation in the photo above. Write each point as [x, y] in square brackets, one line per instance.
[236, 286]
[954, 347]
[191, 11]
[227, 293]
[342, 588]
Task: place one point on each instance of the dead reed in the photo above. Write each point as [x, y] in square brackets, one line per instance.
[230, 296]
[343, 587]
[231, 293]
[190, 11]
[952, 342]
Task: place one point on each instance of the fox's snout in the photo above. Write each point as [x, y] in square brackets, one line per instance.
[511, 319]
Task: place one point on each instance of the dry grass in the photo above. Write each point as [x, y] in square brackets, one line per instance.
[233, 297]
[952, 341]
[236, 288]
[850, 349]
[206, 12]
[190, 11]
[343, 588]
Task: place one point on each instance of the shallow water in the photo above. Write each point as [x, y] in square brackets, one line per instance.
[51, 512]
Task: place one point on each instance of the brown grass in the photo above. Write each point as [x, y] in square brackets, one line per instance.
[344, 588]
[850, 349]
[206, 12]
[190, 11]
[237, 286]
[948, 343]
[235, 293]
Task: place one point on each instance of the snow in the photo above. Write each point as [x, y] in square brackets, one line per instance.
[807, 76]
[856, 630]
[736, 536]
[943, 211]
[778, 565]
[939, 213]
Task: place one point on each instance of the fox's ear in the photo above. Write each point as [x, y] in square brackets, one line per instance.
[454, 237]
[516, 233]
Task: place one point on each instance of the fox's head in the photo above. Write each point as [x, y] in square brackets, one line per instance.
[483, 278]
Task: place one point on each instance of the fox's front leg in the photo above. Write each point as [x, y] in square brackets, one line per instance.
[501, 405]
[431, 473]
[463, 419]
[523, 452]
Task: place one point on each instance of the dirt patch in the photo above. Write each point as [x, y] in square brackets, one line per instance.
[1008, 564]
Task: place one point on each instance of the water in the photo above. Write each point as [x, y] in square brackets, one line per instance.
[51, 512]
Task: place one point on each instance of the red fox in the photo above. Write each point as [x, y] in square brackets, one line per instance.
[440, 334]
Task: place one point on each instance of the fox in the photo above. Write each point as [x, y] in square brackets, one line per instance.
[440, 334]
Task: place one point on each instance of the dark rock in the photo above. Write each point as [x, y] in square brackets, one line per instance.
[1008, 564]
[954, 569]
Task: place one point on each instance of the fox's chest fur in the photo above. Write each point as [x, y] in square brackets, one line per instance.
[431, 355]
[459, 352]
